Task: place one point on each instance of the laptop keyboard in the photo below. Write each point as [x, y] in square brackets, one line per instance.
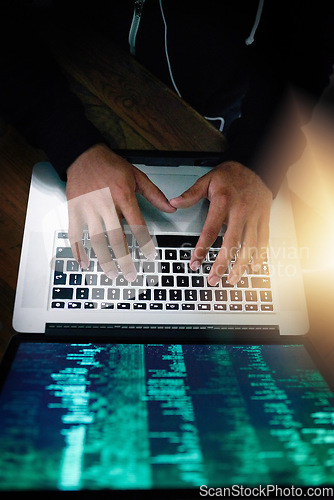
[167, 284]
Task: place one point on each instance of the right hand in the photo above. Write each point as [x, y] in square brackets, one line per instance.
[100, 191]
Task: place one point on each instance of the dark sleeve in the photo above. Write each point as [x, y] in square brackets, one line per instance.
[34, 96]
[293, 50]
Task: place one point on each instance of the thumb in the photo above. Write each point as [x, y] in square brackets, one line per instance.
[152, 193]
[192, 195]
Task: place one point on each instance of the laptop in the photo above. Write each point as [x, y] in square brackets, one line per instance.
[54, 295]
[122, 419]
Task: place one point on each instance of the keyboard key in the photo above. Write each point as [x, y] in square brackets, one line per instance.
[221, 295]
[206, 267]
[58, 305]
[141, 305]
[75, 279]
[74, 305]
[169, 254]
[188, 307]
[190, 271]
[265, 269]
[148, 267]
[260, 282]
[123, 305]
[91, 279]
[172, 307]
[251, 295]
[175, 295]
[167, 280]
[164, 267]
[156, 306]
[178, 268]
[129, 293]
[138, 281]
[267, 307]
[185, 254]
[98, 293]
[235, 307]
[113, 294]
[219, 307]
[62, 293]
[213, 255]
[152, 280]
[243, 283]
[160, 294]
[121, 281]
[90, 305]
[104, 280]
[236, 295]
[182, 281]
[205, 295]
[265, 296]
[190, 295]
[59, 278]
[107, 305]
[204, 307]
[59, 266]
[64, 253]
[62, 236]
[139, 254]
[128, 238]
[90, 268]
[144, 294]
[225, 283]
[197, 281]
[251, 307]
[72, 265]
[82, 293]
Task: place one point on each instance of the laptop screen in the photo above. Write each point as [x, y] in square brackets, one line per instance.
[86, 416]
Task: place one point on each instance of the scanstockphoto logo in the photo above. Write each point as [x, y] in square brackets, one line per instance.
[284, 260]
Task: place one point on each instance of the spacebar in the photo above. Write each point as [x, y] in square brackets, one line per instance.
[181, 241]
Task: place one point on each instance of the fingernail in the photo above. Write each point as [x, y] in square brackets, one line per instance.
[232, 279]
[214, 280]
[84, 265]
[130, 276]
[195, 265]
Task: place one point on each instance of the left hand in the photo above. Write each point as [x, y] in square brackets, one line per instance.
[241, 200]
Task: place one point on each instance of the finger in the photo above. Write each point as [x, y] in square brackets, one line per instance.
[260, 255]
[120, 248]
[139, 229]
[75, 230]
[213, 224]
[192, 195]
[152, 193]
[245, 254]
[100, 246]
[230, 246]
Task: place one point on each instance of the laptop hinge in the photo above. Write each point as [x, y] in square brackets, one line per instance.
[208, 332]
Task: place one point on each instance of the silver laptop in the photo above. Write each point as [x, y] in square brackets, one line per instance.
[55, 295]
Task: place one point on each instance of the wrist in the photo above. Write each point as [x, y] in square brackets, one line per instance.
[89, 156]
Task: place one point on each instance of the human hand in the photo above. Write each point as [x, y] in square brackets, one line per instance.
[100, 190]
[239, 199]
